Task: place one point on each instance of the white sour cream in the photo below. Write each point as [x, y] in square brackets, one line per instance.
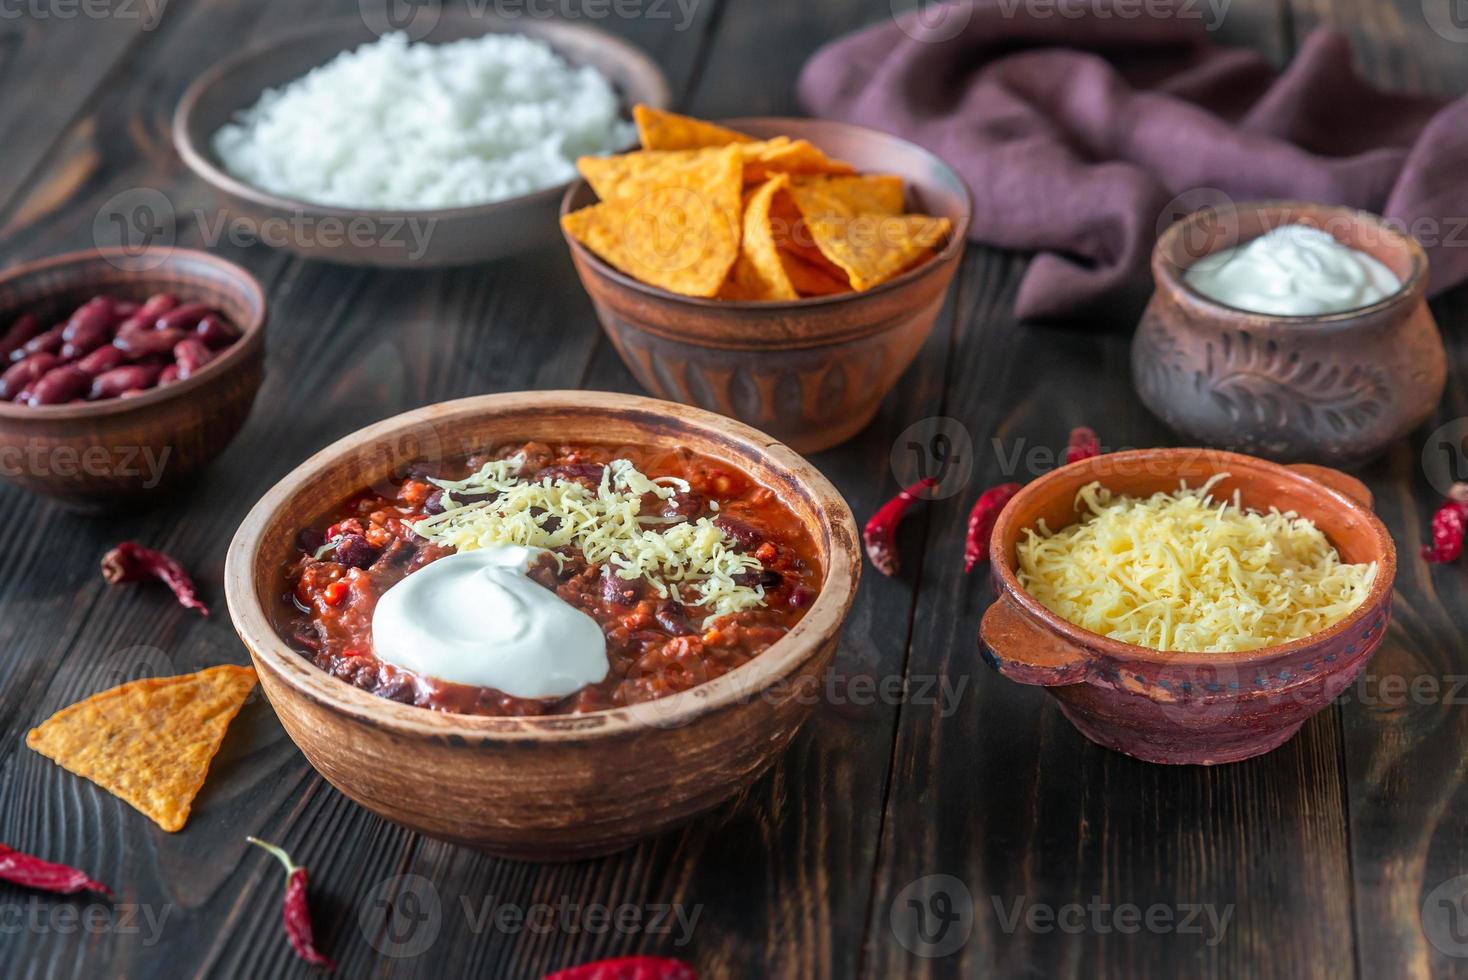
[1295, 270]
[473, 617]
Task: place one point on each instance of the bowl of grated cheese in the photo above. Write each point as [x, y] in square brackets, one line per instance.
[1188, 606]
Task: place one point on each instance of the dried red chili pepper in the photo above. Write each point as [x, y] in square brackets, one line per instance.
[981, 522]
[131, 562]
[880, 534]
[1083, 444]
[628, 968]
[25, 869]
[294, 911]
[1449, 525]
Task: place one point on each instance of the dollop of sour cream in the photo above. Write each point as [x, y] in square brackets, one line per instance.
[1294, 270]
[473, 617]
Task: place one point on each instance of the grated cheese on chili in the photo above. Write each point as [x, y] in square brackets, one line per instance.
[694, 562]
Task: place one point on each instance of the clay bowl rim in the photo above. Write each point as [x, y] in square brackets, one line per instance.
[744, 684]
[1164, 270]
[957, 236]
[201, 159]
[1090, 645]
[228, 359]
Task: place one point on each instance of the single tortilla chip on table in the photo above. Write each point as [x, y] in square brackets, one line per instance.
[660, 130]
[870, 246]
[148, 742]
[671, 223]
[758, 272]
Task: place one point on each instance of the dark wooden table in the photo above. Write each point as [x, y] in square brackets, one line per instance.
[1315, 860]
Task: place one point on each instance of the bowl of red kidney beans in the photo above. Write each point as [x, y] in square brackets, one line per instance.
[124, 371]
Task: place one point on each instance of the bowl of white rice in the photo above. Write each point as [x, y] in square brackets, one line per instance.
[338, 144]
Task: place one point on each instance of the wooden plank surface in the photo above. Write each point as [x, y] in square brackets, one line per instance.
[1314, 860]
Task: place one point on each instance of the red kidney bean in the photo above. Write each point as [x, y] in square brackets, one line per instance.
[102, 359]
[216, 331]
[130, 377]
[168, 376]
[125, 308]
[24, 328]
[43, 343]
[138, 344]
[354, 551]
[191, 354]
[670, 616]
[745, 536]
[157, 305]
[60, 384]
[184, 317]
[617, 590]
[21, 374]
[89, 328]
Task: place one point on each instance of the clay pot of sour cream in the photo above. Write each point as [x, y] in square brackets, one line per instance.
[1335, 387]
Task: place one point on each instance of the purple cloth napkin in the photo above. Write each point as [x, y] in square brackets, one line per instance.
[1077, 134]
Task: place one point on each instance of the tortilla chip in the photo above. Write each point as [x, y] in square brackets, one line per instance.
[863, 194]
[870, 246]
[679, 230]
[633, 175]
[660, 130]
[148, 742]
[814, 280]
[758, 273]
[799, 157]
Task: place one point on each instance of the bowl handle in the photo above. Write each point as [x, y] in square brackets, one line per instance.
[1340, 482]
[1023, 651]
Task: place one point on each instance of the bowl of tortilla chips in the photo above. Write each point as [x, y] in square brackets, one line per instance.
[784, 272]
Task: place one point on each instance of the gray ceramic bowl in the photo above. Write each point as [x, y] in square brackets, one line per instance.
[397, 238]
[1336, 388]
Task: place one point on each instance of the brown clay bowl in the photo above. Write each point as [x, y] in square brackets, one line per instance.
[1198, 708]
[391, 238]
[811, 372]
[1336, 389]
[552, 787]
[105, 454]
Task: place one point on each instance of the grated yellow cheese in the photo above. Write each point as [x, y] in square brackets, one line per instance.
[1184, 572]
[693, 562]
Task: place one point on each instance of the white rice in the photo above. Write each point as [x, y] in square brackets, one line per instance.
[394, 125]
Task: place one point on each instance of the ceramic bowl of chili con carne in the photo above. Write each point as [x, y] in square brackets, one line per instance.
[1176, 707]
[811, 372]
[685, 717]
[100, 450]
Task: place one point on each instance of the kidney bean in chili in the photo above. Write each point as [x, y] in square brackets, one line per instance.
[655, 645]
